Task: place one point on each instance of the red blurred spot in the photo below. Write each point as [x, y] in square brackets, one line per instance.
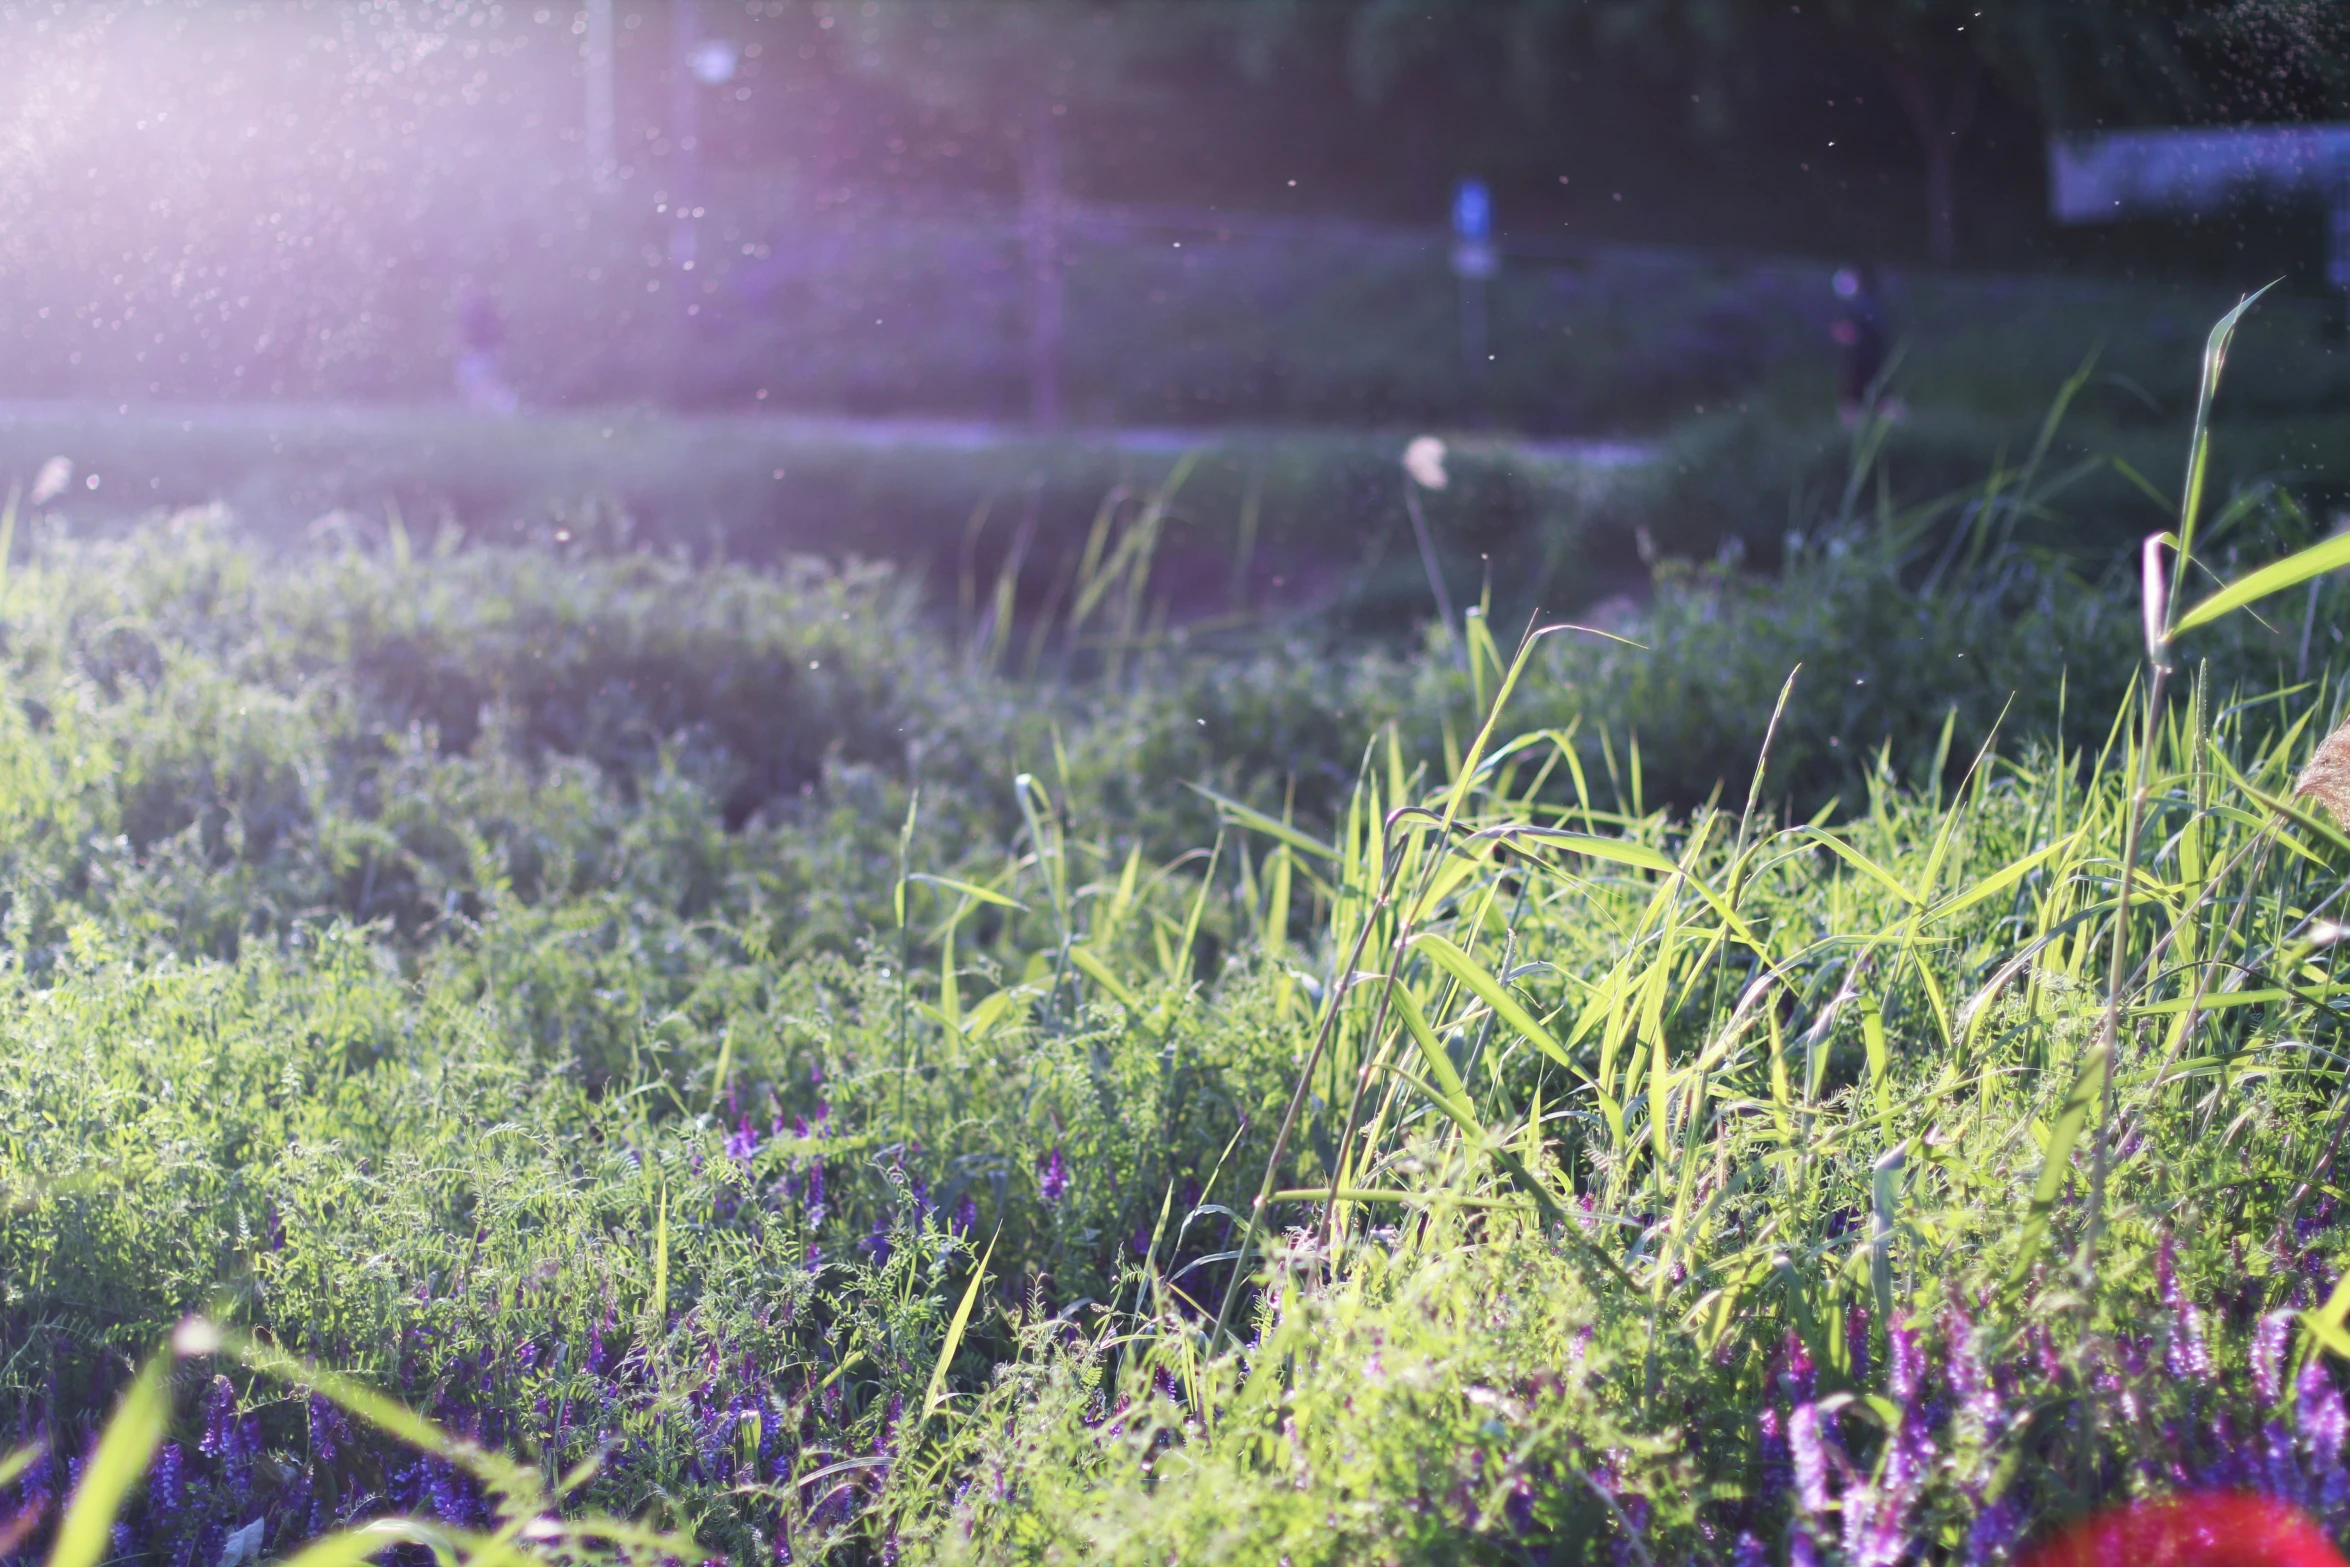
[2227, 1530]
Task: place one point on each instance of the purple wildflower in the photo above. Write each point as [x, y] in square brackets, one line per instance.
[2186, 1355]
[2321, 1417]
[1907, 1372]
[2280, 1476]
[1795, 1373]
[323, 1427]
[1970, 1382]
[220, 1419]
[1993, 1532]
[966, 1215]
[1634, 1546]
[743, 1142]
[2268, 1356]
[1877, 1514]
[447, 1496]
[167, 1486]
[1811, 1462]
[1053, 1176]
[1776, 1476]
[2044, 1350]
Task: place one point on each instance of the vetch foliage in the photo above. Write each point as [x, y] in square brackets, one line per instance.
[1469, 1157]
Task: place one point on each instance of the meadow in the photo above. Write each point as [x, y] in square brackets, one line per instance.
[557, 1051]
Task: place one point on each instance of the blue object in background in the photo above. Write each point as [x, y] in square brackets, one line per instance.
[1473, 262]
[1472, 211]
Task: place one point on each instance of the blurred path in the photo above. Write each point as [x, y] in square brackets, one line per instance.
[1596, 452]
[952, 500]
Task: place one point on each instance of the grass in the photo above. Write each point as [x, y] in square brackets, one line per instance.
[1269, 518]
[706, 1027]
[1265, 517]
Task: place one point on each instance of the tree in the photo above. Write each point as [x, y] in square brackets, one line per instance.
[1517, 41]
[2071, 61]
[1024, 65]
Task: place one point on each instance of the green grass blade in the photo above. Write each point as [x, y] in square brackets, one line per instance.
[2057, 1167]
[970, 890]
[1272, 827]
[1451, 1092]
[132, 1435]
[936, 1396]
[661, 1265]
[2000, 880]
[1101, 974]
[1860, 862]
[1494, 994]
[2215, 357]
[2292, 571]
[350, 1547]
[17, 1462]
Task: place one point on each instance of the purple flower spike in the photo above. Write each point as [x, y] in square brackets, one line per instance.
[220, 1417]
[1970, 1380]
[1796, 1378]
[2268, 1356]
[1811, 1459]
[322, 1429]
[815, 1192]
[743, 1142]
[1908, 1368]
[2321, 1416]
[1054, 1176]
[1776, 1474]
[1994, 1531]
[2186, 1355]
[167, 1488]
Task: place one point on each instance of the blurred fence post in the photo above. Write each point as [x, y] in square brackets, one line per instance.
[685, 130]
[597, 128]
[1473, 261]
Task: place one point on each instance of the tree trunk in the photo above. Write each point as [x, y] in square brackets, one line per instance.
[1940, 133]
[1941, 200]
[1040, 231]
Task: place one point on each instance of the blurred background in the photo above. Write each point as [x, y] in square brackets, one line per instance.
[805, 275]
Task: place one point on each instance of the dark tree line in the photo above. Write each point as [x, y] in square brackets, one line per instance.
[1025, 65]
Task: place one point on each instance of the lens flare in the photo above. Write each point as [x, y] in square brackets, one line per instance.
[2221, 1530]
